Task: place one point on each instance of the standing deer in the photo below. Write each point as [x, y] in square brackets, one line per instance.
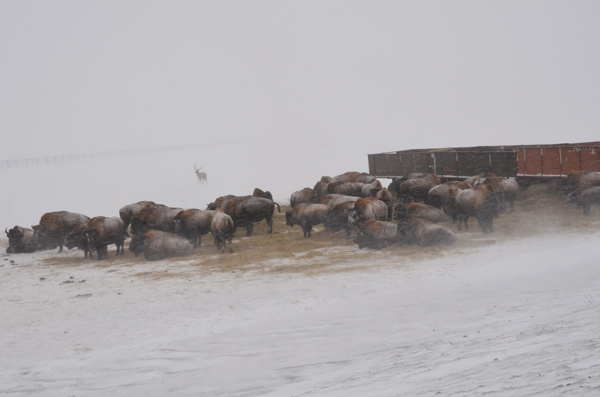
[201, 175]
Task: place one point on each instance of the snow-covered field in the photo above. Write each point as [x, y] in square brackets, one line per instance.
[521, 317]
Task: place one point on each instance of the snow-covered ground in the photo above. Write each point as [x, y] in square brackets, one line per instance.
[520, 317]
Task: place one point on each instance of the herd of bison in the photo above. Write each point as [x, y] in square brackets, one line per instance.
[353, 202]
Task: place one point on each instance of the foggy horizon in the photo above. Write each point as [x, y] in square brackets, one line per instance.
[107, 76]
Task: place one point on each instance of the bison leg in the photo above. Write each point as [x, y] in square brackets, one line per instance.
[249, 229]
[270, 224]
[586, 209]
[230, 239]
[199, 241]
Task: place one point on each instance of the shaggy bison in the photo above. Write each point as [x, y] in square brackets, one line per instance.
[222, 228]
[77, 239]
[480, 201]
[366, 209]
[155, 216]
[306, 195]
[156, 245]
[130, 211]
[22, 240]
[421, 232]
[585, 197]
[307, 215]
[193, 224]
[437, 195]
[248, 209]
[375, 234]
[102, 231]
[54, 227]
[421, 211]
[220, 202]
[338, 219]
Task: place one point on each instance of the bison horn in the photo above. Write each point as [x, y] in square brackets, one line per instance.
[6, 230]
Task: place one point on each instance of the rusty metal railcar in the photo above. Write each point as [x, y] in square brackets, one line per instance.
[524, 161]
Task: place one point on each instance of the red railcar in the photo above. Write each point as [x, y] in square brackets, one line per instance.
[524, 161]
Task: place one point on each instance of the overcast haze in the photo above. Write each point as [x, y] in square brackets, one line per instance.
[92, 76]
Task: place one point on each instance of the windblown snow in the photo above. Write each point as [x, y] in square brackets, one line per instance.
[520, 317]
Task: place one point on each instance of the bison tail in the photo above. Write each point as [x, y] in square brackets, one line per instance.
[278, 207]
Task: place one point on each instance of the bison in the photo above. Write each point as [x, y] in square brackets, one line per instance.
[419, 231]
[480, 201]
[580, 179]
[220, 202]
[366, 209]
[334, 199]
[345, 188]
[54, 227]
[222, 229]
[421, 211]
[306, 195]
[193, 224]
[353, 176]
[385, 196]
[416, 189]
[437, 195]
[248, 209]
[22, 240]
[77, 239]
[507, 187]
[375, 234]
[155, 216]
[102, 231]
[130, 211]
[371, 189]
[259, 193]
[307, 215]
[338, 218]
[156, 245]
[585, 197]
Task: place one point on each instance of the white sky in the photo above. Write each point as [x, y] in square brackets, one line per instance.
[91, 76]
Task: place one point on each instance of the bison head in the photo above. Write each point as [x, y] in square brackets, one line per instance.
[75, 239]
[352, 217]
[289, 219]
[137, 244]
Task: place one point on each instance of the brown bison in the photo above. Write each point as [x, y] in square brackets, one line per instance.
[421, 211]
[193, 224]
[415, 188]
[77, 239]
[507, 187]
[102, 231]
[156, 245]
[585, 197]
[222, 229]
[338, 219]
[366, 209]
[22, 240]
[375, 234]
[385, 196]
[421, 232]
[472, 180]
[54, 227]
[353, 176]
[437, 195]
[155, 216]
[306, 195]
[307, 215]
[334, 199]
[480, 201]
[130, 211]
[220, 202]
[345, 188]
[248, 209]
[371, 189]
[259, 193]
[580, 179]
